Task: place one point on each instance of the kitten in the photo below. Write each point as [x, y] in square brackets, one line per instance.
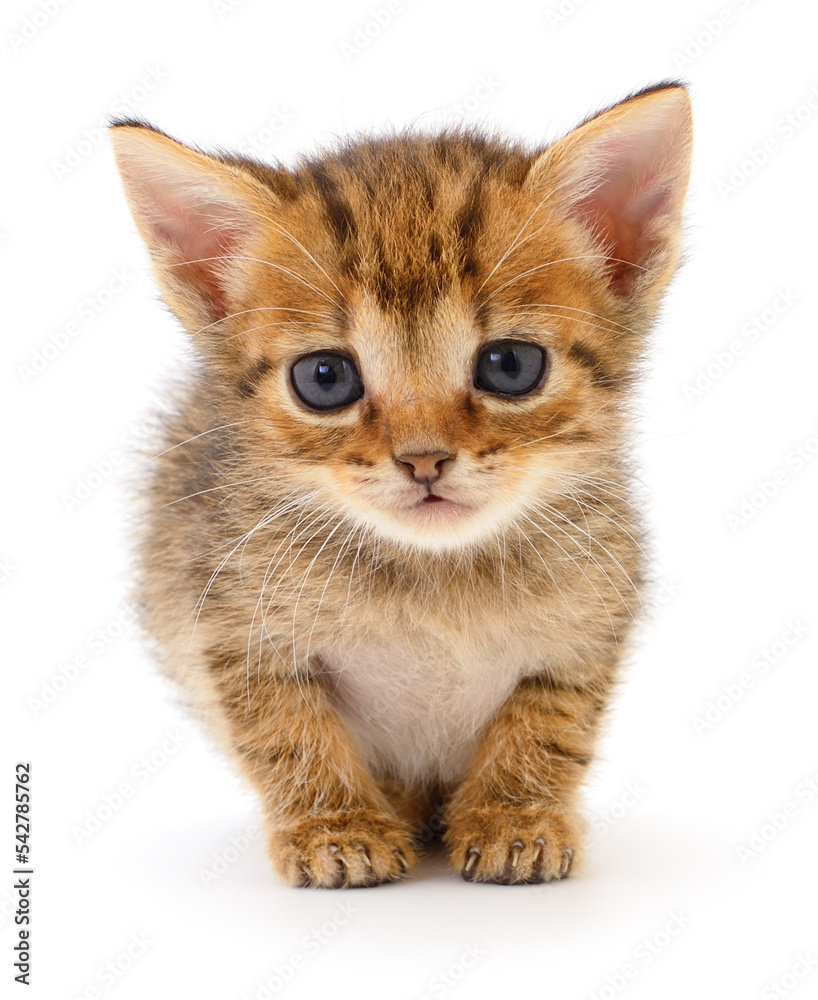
[390, 551]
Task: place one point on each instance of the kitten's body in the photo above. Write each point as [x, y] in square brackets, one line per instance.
[365, 651]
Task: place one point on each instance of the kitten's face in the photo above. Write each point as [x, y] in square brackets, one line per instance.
[430, 337]
[442, 431]
[459, 389]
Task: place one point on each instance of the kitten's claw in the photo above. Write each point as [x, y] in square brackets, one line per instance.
[471, 860]
[304, 877]
[362, 850]
[567, 861]
[537, 863]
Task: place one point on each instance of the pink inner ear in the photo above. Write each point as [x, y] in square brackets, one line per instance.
[201, 236]
[199, 232]
[631, 199]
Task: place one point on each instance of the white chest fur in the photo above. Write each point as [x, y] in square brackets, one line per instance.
[417, 703]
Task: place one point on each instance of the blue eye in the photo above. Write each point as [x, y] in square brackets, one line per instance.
[325, 380]
[510, 367]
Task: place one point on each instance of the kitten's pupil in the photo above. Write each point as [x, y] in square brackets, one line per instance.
[509, 363]
[325, 376]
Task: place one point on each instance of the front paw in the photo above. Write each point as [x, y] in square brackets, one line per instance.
[359, 847]
[506, 843]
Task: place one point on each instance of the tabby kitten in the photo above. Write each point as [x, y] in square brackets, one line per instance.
[389, 548]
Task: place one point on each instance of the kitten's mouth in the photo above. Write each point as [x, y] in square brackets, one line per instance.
[440, 507]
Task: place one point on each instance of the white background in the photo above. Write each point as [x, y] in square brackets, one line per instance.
[689, 889]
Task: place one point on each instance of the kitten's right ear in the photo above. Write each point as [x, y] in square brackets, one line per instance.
[198, 215]
[623, 175]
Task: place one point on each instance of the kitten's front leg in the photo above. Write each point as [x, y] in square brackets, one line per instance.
[328, 824]
[514, 818]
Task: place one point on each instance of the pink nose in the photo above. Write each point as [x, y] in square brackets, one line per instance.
[426, 468]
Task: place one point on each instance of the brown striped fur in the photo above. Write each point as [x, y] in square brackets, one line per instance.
[369, 665]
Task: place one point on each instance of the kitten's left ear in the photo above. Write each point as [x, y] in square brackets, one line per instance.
[198, 215]
[623, 176]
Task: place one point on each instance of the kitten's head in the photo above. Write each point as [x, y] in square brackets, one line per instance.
[430, 336]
